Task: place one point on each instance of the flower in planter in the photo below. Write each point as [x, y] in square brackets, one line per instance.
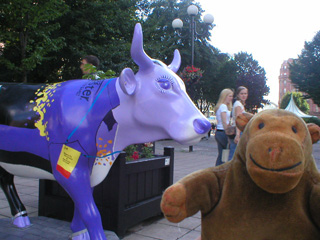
[135, 155]
[147, 151]
[191, 74]
[137, 151]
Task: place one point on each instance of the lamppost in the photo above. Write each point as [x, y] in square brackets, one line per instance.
[177, 24]
[192, 11]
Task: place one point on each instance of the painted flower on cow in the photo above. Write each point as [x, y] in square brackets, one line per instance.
[191, 74]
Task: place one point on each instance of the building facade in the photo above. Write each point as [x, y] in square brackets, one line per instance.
[285, 85]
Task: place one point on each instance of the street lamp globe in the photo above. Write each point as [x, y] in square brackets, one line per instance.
[192, 10]
[208, 19]
[177, 23]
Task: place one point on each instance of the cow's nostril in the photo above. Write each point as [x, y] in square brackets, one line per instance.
[201, 126]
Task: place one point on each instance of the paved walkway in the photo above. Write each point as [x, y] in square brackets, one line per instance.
[204, 155]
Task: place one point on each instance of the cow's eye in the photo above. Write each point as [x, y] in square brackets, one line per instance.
[164, 83]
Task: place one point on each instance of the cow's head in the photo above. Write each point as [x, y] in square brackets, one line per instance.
[157, 100]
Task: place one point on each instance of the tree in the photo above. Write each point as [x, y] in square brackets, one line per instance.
[301, 103]
[305, 71]
[103, 28]
[218, 69]
[60, 33]
[251, 75]
[221, 73]
[25, 30]
[93, 27]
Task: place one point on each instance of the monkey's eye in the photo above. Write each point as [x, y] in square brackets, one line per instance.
[261, 125]
[294, 129]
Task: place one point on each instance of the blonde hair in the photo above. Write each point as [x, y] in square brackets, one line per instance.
[222, 97]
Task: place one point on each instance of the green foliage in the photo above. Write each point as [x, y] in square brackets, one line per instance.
[71, 30]
[222, 75]
[137, 151]
[61, 33]
[160, 39]
[305, 71]
[192, 77]
[147, 152]
[251, 75]
[101, 28]
[26, 31]
[301, 103]
[94, 73]
[130, 150]
[314, 120]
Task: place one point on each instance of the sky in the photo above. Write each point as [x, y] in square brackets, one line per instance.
[272, 31]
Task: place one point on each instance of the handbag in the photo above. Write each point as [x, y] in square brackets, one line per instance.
[231, 129]
[225, 154]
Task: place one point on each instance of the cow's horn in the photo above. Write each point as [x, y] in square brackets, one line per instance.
[176, 62]
[137, 53]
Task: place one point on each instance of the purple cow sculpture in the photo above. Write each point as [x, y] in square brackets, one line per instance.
[73, 131]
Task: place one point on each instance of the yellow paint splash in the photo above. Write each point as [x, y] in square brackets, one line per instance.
[43, 100]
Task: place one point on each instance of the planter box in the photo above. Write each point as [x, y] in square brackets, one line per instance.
[130, 193]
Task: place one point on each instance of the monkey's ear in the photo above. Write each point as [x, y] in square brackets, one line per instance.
[242, 120]
[314, 131]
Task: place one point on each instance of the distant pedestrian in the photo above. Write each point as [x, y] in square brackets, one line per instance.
[85, 65]
[237, 109]
[213, 127]
[222, 110]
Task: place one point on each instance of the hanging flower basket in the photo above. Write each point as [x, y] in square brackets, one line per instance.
[191, 74]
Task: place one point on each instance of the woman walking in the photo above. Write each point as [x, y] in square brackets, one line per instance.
[222, 110]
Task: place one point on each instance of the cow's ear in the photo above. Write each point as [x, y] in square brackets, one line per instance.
[243, 119]
[127, 81]
[314, 131]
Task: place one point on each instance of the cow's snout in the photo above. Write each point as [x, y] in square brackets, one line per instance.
[201, 126]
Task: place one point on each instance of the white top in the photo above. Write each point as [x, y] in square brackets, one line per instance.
[222, 108]
[236, 104]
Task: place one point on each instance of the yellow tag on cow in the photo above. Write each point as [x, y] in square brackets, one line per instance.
[68, 159]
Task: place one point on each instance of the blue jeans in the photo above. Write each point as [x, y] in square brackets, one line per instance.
[222, 141]
[233, 146]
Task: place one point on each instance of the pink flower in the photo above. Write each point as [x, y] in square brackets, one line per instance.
[135, 155]
[191, 74]
[149, 144]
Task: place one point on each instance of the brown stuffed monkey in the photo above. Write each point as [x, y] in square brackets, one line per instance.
[269, 191]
